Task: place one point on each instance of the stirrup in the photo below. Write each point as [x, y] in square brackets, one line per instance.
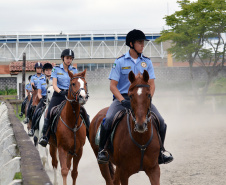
[43, 141]
[31, 132]
[161, 159]
[21, 114]
[26, 120]
[104, 160]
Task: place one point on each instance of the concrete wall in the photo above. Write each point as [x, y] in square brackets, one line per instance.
[163, 74]
[100, 76]
[9, 154]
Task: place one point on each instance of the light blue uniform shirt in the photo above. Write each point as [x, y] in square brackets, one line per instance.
[28, 87]
[124, 64]
[35, 79]
[63, 79]
[43, 85]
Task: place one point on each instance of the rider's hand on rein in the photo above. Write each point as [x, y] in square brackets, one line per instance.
[126, 104]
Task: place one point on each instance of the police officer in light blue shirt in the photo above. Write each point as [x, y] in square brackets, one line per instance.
[42, 92]
[34, 81]
[38, 76]
[28, 86]
[134, 61]
[63, 79]
[61, 83]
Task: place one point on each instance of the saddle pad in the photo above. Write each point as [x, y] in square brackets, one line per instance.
[117, 118]
[37, 116]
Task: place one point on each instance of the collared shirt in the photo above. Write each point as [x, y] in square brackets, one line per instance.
[43, 86]
[28, 87]
[124, 64]
[63, 79]
[35, 79]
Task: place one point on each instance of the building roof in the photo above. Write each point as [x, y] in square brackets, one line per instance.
[16, 67]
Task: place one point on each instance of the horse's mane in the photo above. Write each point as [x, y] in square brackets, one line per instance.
[35, 88]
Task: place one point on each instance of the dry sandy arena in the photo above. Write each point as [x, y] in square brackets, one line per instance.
[196, 137]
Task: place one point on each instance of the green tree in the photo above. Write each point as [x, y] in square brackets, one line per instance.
[198, 34]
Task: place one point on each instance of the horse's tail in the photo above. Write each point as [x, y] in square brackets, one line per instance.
[111, 169]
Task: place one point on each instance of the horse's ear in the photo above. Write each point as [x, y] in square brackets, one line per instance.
[145, 76]
[83, 74]
[131, 76]
[70, 74]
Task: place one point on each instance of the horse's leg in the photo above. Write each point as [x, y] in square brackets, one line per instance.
[53, 153]
[76, 159]
[154, 175]
[104, 168]
[63, 162]
[121, 177]
[117, 177]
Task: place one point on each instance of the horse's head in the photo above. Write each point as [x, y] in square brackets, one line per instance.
[49, 89]
[78, 87]
[140, 97]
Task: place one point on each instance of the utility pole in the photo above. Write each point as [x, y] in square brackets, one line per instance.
[23, 75]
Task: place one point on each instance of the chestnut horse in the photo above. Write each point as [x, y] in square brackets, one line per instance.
[135, 145]
[71, 132]
[35, 101]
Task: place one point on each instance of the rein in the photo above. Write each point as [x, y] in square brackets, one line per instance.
[74, 130]
[142, 147]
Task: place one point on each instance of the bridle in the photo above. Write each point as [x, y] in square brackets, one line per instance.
[148, 118]
[76, 94]
[148, 115]
[75, 99]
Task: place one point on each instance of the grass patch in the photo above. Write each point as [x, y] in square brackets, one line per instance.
[17, 175]
[218, 86]
[8, 91]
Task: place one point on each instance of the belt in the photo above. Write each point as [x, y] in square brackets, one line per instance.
[63, 89]
[125, 95]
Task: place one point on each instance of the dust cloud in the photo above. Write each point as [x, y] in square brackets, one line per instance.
[195, 137]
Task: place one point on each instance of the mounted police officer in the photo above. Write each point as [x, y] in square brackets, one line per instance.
[42, 92]
[61, 83]
[28, 89]
[119, 85]
[34, 82]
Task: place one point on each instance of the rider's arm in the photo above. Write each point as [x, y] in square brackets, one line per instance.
[152, 86]
[39, 94]
[55, 85]
[115, 91]
[32, 84]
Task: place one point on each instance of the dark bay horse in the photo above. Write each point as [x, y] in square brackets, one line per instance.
[71, 132]
[136, 144]
[27, 103]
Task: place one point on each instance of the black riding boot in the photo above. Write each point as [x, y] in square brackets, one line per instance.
[23, 108]
[85, 116]
[103, 156]
[163, 159]
[44, 139]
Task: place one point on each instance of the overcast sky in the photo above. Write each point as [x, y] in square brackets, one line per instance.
[74, 16]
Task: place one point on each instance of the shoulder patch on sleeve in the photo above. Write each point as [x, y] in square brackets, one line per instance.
[121, 57]
[146, 57]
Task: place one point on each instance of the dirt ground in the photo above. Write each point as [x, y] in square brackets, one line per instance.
[195, 137]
